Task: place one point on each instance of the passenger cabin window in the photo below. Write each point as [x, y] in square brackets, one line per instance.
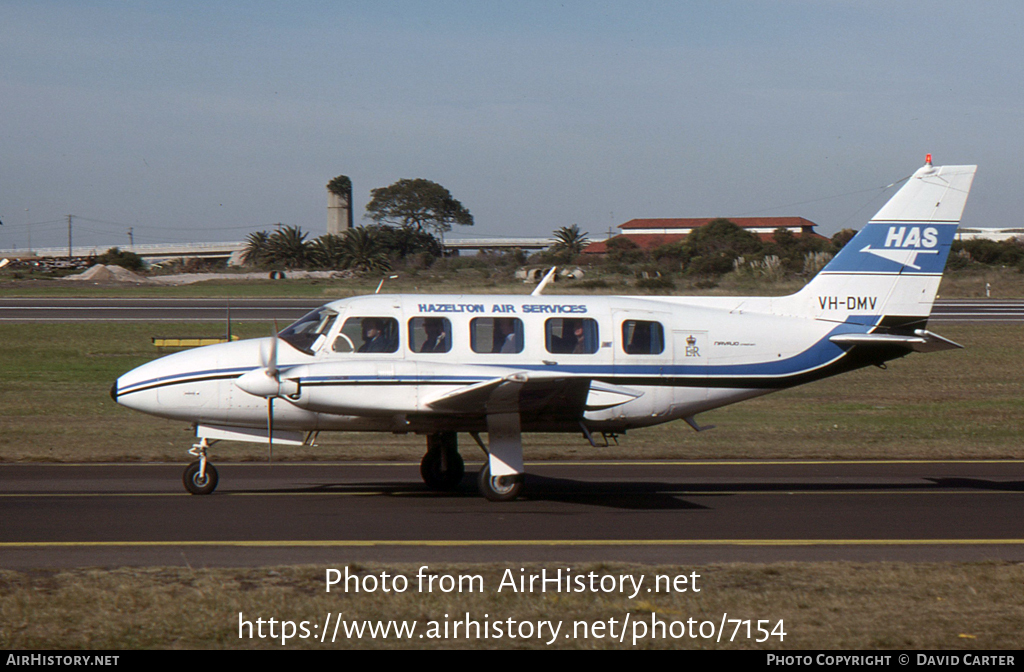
[368, 334]
[571, 336]
[430, 334]
[643, 338]
[310, 330]
[496, 334]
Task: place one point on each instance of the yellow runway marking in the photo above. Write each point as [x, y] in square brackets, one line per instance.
[352, 543]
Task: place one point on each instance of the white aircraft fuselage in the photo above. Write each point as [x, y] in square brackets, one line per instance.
[442, 364]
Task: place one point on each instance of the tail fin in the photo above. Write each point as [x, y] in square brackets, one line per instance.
[888, 274]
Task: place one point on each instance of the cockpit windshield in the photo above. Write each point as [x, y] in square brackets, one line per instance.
[308, 333]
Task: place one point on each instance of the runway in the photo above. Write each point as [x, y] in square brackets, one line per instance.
[646, 512]
[284, 311]
[288, 310]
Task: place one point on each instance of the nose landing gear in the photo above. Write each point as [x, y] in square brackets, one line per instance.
[200, 477]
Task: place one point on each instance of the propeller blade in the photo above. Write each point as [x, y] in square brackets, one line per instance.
[272, 365]
[270, 427]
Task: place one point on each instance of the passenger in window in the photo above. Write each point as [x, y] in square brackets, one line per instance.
[573, 334]
[505, 335]
[374, 339]
[576, 336]
[437, 339]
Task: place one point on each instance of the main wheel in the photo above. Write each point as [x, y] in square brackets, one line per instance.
[499, 488]
[439, 476]
[200, 485]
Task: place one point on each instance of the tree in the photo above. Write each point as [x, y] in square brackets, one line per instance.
[326, 251]
[257, 249]
[417, 204]
[841, 238]
[115, 256]
[342, 186]
[569, 240]
[400, 242]
[288, 247]
[722, 237]
[362, 251]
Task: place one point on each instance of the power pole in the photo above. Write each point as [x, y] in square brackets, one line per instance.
[69, 238]
[131, 237]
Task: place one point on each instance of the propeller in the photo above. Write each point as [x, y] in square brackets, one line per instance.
[266, 382]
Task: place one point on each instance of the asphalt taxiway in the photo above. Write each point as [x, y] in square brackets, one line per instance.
[287, 310]
[648, 512]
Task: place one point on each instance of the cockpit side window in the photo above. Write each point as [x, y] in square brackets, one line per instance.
[367, 334]
[496, 334]
[309, 331]
[571, 336]
[430, 334]
[640, 337]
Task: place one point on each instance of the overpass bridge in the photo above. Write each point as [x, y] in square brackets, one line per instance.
[232, 251]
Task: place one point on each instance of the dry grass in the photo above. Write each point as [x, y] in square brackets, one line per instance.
[468, 276]
[953, 404]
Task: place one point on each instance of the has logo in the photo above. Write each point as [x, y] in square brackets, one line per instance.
[904, 243]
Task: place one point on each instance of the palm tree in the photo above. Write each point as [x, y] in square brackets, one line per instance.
[362, 251]
[257, 249]
[288, 247]
[570, 240]
[326, 251]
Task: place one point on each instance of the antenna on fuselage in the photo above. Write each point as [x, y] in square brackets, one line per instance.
[544, 282]
[390, 277]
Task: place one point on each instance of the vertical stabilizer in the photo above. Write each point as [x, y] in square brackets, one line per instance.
[890, 271]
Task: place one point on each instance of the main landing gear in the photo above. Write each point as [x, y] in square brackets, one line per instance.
[200, 477]
[499, 488]
[442, 468]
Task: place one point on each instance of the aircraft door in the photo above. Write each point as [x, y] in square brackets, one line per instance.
[643, 345]
[689, 369]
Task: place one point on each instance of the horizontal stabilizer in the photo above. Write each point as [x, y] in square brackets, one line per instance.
[921, 341]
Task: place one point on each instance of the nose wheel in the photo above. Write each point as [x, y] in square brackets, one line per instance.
[197, 482]
[200, 477]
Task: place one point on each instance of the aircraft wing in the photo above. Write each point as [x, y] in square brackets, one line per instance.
[920, 341]
[534, 394]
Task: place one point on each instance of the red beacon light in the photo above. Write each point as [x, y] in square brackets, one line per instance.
[927, 159]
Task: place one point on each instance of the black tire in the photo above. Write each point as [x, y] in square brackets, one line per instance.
[437, 478]
[198, 486]
[499, 488]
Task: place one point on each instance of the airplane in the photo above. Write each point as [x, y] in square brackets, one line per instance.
[438, 365]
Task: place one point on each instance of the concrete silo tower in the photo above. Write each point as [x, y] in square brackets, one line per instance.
[339, 205]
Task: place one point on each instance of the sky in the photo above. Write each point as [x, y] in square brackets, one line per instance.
[199, 121]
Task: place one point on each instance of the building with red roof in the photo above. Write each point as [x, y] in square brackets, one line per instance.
[651, 233]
